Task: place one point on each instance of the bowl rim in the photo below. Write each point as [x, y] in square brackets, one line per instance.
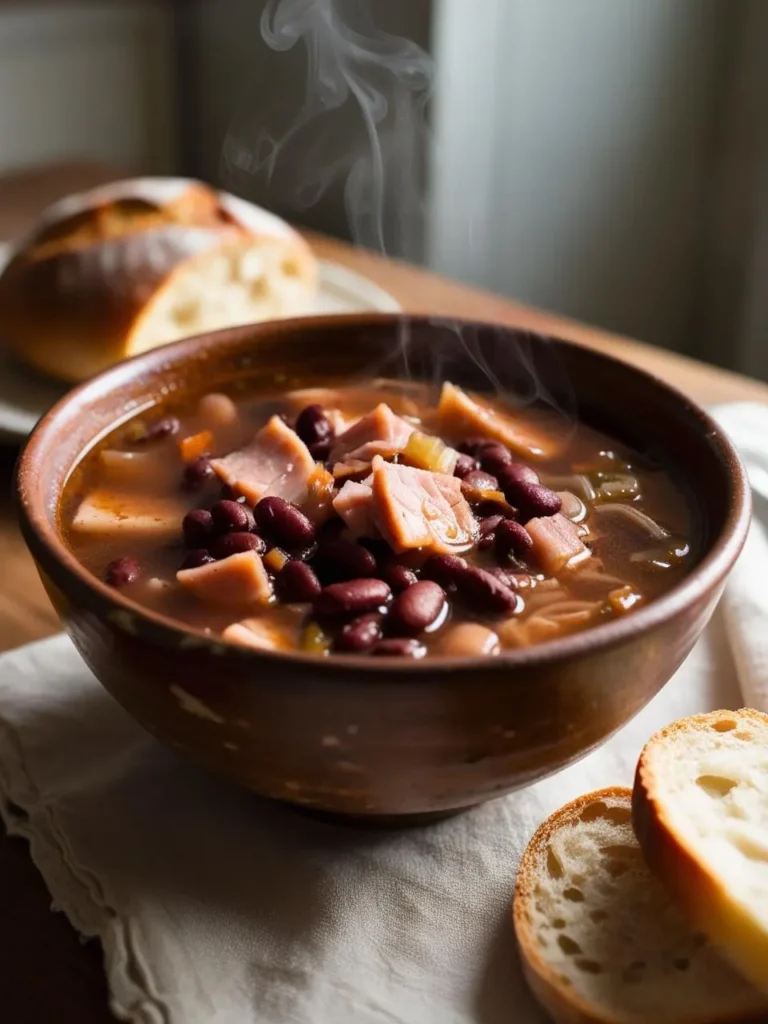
[45, 543]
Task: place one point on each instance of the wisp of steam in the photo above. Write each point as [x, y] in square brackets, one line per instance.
[382, 84]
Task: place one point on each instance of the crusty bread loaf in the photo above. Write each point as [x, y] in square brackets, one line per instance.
[700, 808]
[599, 937]
[129, 266]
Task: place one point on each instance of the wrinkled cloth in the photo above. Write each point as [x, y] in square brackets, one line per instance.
[216, 907]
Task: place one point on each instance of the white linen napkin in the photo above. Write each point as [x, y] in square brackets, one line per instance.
[216, 907]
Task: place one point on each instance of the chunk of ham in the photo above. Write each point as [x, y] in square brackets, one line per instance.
[130, 469]
[109, 514]
[354, 503]
[556, 543]
[414, 508]
[379, 432]
[239, 580]
[261, 634]
[275, 463]
[459, 415]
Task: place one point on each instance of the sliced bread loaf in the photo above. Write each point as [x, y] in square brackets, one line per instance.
[700, 809]
[599, 938]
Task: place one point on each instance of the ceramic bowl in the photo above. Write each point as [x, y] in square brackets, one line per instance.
[375, 739]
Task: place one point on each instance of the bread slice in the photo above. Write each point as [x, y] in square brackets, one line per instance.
[600, 939]
[129, 266]
[700, 809]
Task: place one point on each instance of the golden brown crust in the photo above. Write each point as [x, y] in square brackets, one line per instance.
[78, 286]
[561, 1002]
[565, 1005]
[702, 897]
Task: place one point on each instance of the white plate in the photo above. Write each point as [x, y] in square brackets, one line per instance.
[25, 396]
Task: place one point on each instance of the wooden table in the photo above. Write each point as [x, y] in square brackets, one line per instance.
[46, 975]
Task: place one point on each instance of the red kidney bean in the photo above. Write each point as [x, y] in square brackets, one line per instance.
[165, 427]
[417, 608]
[534, 500]
[235, 544]
[494, 458]
[399, 577]
[331, 529]
[196, 558]
[474, 445]
[484, 592]
[399, 647]
[197, 528]
[122, 571]
[465, 464]
[488, 530]
[512, 540]
[197, 473]
[232, 517]
[343, 559]
[312, 425]
[478, 480]
[444, 569]
[359, 635]
[285, 523]
[512, 477]
[488, 507]
[297, 583]
[353, 597]
[511, 578]
[320, 450]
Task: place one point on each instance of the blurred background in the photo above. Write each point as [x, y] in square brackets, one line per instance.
[604, 159]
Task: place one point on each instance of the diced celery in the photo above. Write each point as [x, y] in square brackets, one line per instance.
[314, 641]
[427, 452]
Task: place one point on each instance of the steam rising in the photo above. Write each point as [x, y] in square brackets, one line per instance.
[358, 76]
[384, 84]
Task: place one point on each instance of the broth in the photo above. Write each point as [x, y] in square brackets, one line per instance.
[314, 538]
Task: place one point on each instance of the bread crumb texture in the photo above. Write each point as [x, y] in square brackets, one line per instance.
[594, 923]
[710, 774]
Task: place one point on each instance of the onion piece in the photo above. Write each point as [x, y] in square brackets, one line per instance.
[616, 486]
[635, 517]
[662, 557]
[577, 483]
[572, 507]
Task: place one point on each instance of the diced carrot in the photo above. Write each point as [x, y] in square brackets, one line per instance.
[321, 490]
[196, 444]
[275, 560]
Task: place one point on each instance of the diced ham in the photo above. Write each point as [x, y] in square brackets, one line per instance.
[262, 634]
[133, 468]
[276, 463]
[354, 503]
[350, 469]
[237, 580]
[556, 543]
[459, 416]
[379, 432]
[107, 514]
[414, 508]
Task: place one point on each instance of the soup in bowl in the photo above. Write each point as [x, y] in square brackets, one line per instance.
[381, 566]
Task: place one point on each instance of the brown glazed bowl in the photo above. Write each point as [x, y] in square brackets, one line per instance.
[380, 739]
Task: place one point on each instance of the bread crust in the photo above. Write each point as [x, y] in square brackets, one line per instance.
[702, 897]
[75, 290]
[563, 1004]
